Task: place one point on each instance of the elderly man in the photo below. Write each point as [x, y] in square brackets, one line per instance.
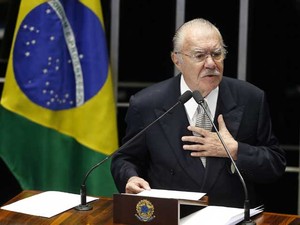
[175, 153]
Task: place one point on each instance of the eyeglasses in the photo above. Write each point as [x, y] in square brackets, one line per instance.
[200, 56]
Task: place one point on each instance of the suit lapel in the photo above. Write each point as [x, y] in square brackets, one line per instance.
[232, 114]
[227, 106]
[174, 125]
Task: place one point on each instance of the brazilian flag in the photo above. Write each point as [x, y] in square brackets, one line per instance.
[58, 113]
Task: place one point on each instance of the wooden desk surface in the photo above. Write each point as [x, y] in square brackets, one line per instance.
[102, 212]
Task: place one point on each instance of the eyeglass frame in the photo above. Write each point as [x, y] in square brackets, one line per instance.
[222, 51]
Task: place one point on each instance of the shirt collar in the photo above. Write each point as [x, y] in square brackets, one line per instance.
[191, 105]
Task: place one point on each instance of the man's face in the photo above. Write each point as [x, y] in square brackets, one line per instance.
[200, 60]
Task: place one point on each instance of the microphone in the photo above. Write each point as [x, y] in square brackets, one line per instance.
[84, 206]
[247, 221]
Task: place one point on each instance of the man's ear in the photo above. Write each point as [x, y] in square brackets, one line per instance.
[176, 60]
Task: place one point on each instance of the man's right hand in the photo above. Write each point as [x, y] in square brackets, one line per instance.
[136, 184]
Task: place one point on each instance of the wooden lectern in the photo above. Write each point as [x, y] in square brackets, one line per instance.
[103, 213]
[141, 210]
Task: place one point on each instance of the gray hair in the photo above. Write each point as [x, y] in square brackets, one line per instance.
[201, 23]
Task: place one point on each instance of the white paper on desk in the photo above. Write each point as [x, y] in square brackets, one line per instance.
[160, 193]
[46, 204]
[217, 215]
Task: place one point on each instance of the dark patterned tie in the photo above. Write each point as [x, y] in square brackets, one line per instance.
[203, 121]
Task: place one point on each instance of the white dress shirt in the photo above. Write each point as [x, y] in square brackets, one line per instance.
[191, 105]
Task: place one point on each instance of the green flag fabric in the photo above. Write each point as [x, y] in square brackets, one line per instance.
[58, 113]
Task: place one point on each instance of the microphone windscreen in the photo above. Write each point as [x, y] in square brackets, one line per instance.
[185, 97]
[198, 97]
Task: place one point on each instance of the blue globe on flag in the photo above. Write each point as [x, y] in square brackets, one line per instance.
[60, 78]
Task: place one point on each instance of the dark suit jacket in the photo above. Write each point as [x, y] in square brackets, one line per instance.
[158, 157]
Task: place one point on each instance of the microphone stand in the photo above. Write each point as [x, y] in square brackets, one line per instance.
[84, 206]
[247, 221]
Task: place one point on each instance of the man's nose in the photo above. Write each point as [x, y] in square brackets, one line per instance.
[209, 62]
